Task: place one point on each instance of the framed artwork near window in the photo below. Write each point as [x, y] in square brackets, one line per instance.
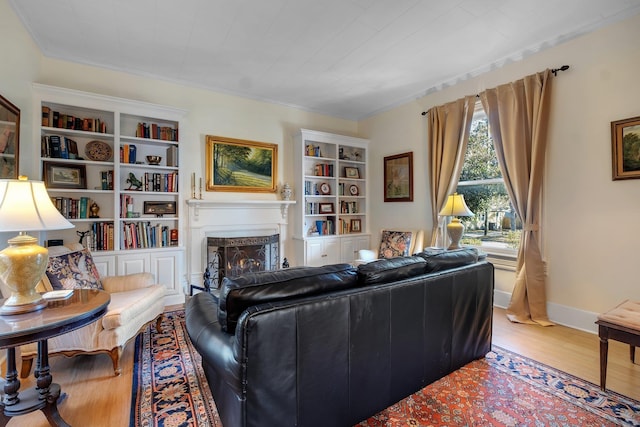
[625, 148]
[64, 175]
[398, 178]
[240, 165]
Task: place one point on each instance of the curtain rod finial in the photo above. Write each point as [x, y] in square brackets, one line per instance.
[563, 68]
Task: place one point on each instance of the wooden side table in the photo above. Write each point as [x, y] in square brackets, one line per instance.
[59, 317]
[621, 323]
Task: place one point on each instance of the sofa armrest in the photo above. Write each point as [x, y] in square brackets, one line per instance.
[127, 282]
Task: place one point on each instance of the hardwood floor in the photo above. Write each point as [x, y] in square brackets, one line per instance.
[96, 398]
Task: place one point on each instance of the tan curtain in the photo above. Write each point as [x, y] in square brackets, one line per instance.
[449, 127]
[518, 115]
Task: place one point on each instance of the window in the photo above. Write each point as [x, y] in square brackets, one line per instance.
[495, 227]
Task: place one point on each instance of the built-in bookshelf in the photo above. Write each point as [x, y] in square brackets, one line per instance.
[111, 166]
[331, 222]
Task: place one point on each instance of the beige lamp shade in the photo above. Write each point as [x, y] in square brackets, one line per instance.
[455, 207]
[25, 206]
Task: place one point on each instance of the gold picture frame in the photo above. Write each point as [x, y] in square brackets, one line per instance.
[625, 148]
[241, 165]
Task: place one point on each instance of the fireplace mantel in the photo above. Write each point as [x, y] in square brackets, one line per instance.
[231, 218]
[198, 204]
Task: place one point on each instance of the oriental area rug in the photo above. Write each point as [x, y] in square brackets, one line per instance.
[503, 389]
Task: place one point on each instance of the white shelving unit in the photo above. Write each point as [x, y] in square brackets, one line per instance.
[331, 222]
[100, 134]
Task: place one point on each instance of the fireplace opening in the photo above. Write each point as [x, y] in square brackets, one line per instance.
[233, 256]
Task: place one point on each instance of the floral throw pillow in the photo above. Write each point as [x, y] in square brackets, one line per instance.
[395, 243]
[74, 270]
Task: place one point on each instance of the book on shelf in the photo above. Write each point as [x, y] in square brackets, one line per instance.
[172, 156]
[46, 116]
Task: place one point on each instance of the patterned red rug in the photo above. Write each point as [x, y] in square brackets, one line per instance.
[503, 389]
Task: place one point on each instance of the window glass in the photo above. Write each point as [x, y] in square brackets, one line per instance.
[495, 227]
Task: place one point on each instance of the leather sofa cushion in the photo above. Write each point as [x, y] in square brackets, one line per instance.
[241, 292]
[438, 260]
[390, 269]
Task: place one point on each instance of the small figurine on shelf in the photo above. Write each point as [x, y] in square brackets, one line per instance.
[94, 209]
[134, 182]
[285, 263]
[82, 235]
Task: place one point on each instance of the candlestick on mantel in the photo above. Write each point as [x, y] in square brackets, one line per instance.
[193, 185]
[200, 188]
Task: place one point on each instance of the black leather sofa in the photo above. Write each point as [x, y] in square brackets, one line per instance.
[334, 345]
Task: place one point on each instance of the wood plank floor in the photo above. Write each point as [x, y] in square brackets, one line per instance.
[96, 398]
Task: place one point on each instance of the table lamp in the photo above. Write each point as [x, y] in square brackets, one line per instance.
[25, 206]
[455, 207]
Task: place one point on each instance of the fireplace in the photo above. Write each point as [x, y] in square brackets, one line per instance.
[232, 256]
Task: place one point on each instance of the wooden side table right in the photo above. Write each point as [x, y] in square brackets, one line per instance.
[621, 323]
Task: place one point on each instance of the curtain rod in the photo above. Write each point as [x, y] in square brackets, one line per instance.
[553, 70]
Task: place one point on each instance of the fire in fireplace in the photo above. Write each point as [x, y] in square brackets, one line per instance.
[232, 256]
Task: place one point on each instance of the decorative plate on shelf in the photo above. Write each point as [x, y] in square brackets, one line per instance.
[98, 151]
[325, 188]
[354, 190]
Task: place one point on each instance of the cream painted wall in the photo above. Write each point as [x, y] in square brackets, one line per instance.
[590, 233]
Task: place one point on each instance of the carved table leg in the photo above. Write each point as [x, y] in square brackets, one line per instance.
[47, 391]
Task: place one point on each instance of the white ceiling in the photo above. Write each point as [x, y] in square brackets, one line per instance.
[344, 58]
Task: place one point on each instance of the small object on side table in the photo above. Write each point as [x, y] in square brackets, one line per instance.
[285, 263]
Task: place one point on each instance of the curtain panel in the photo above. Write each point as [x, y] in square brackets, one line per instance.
[449, 127]
[518, 115]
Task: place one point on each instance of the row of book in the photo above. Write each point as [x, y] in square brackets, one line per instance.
[348, 207]
[106, 179]
[56, 119]
[311, 188]
[154, 131]
[100, 237]
[162, 182]
[140, 235]
[71, 208]
[323, 169]
[58, 147]
[128, 153]
[325, 227]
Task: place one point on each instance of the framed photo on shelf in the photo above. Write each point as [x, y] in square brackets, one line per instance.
[64, 175]
[240, 165]
[398, 178]
[356, 225]
[350, 172]
[625, 148]
[325, 208]
[159, 208]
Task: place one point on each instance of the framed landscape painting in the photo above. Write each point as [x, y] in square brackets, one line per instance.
[625, 148]
[240, 165]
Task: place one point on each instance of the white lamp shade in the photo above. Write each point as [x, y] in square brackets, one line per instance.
[456, 206]
[26, 206]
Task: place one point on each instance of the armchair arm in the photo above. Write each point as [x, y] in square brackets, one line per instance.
[127, 282]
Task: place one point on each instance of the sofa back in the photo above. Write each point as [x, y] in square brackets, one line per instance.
[239, 293]
[340, 358]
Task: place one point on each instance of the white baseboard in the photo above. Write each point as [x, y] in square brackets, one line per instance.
[560, 314]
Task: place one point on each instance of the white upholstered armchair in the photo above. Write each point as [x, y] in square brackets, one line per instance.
[135, 301]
